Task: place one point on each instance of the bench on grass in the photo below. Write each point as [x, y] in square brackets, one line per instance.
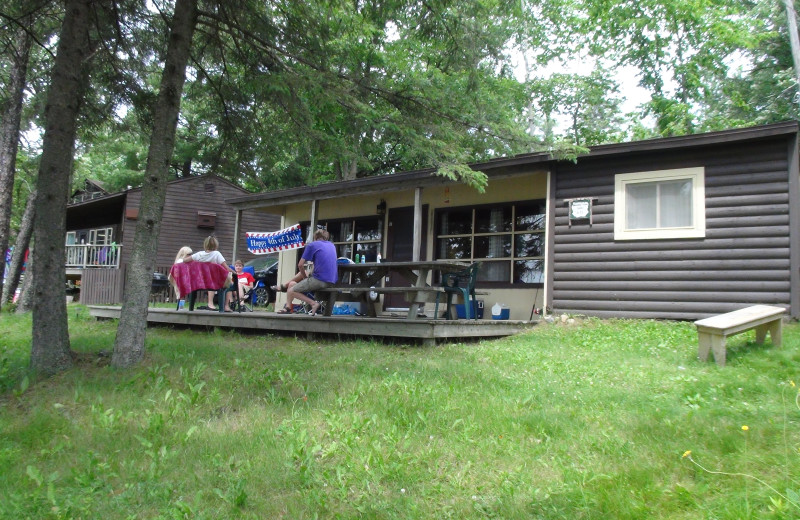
[712, 332]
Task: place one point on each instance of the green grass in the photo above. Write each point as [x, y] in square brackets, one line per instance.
[584, 421]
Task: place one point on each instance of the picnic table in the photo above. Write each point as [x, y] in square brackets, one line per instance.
[191, 277]
[357, 281]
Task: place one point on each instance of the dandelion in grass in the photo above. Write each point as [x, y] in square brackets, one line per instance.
[745, 428]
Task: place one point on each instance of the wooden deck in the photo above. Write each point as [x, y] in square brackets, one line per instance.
[427, 331]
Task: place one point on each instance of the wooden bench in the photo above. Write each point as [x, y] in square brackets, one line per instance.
[712, 332]
[361, 294]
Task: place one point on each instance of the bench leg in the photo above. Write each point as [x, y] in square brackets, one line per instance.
[329, 306]
[775, 330]
[761, 332]
[713, 342]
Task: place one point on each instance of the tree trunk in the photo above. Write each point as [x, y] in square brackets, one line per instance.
[129, 344]
[23, 240]
[9, 133]
[25, 301]
[50, 350]
[794, 39]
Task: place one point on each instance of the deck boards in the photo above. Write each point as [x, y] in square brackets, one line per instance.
[427, 330]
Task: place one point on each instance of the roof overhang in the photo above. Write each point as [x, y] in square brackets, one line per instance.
[102, 211]
[502, 167]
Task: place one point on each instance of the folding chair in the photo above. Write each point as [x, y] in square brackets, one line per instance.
[249, 296]
[222, 294]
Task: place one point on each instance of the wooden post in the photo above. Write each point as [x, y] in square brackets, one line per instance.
[312, 226]
[417, 247]
[237, 225]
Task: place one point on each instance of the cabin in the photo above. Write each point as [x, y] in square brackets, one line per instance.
[669, 228]
[100, 225]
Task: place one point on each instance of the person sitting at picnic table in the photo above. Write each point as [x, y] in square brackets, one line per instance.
[246, 282]
[212, 255]
[325, 273]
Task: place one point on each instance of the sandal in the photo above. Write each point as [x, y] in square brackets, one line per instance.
[286, 310]
[314, 309]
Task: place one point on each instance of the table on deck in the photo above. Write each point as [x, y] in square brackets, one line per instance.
[191, 277]
[360, 279]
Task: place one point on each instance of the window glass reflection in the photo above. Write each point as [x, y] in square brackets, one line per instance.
[456, 222]
[494, 272]
[345, 233]
[530, 244]
[368, 229]
[497, 246]
[530, 217]
[455, 248]
[493, 220]
[509, 240]
[529, 271]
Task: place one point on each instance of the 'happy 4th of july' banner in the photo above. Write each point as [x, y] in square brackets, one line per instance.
[263, 243]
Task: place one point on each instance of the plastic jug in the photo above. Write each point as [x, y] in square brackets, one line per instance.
[500, 312]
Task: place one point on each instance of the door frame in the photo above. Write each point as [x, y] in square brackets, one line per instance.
[404, 214]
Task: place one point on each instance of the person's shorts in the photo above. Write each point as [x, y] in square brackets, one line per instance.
[310, 284]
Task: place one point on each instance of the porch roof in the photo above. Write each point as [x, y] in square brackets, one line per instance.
[102, 211]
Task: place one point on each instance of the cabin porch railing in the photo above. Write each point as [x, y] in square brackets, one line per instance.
[82, 256]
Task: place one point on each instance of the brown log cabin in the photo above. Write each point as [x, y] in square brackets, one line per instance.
[101, 226]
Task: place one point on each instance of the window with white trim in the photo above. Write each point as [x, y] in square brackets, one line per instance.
[101, 236]
[660, 204]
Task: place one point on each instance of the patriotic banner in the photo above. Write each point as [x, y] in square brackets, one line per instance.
[263, 243]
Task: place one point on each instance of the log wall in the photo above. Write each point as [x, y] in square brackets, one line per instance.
[744, 258]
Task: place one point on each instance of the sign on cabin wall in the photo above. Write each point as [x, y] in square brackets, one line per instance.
[580, 209]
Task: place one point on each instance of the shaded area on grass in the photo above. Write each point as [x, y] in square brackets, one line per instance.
[583, 421]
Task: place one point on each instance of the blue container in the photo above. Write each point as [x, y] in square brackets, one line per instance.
[504, 314]
[477, 310]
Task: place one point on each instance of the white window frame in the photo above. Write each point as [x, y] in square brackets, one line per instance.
[107, 236]
[698, 227]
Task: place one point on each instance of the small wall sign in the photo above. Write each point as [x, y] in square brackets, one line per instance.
[580, 209]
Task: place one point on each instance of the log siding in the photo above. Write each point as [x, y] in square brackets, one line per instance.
[743, 259]
[179, 226]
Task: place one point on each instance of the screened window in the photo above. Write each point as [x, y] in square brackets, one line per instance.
[660, 204]
[360, 235]
[508, 239]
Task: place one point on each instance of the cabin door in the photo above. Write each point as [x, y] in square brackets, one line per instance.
[400, 248]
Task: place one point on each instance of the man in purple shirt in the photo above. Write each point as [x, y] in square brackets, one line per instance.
[322, 253]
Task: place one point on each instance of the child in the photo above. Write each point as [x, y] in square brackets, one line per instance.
[182, 254]
[210, 254]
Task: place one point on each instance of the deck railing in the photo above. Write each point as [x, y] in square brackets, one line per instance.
[81, 256]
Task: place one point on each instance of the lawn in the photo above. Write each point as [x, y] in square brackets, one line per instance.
[585, 420]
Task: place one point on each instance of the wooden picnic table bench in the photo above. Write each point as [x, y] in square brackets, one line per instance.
[712, 332]
[362, 295]
[369, 277]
